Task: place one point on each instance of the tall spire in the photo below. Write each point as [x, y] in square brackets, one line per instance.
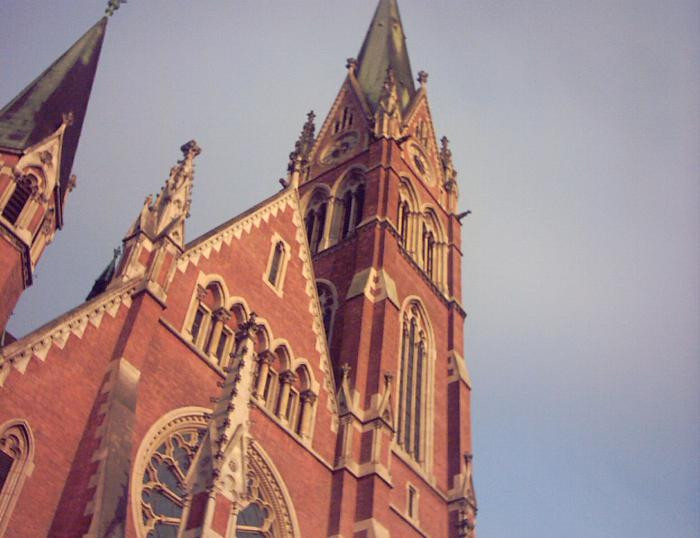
[384, 47]
[61, 91]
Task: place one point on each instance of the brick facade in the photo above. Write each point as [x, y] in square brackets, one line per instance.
[208, 361]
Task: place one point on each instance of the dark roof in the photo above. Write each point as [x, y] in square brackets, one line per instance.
[63, 88]
[105, 277]
[384, 47]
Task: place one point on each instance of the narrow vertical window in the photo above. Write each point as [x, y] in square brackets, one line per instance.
[347, 213]
[309, 221]
[359, 205]
[319, 227]
[411, 502]
[413, 389]
[197, 323]
[19, 198]
[429, 255]
[403, 222]
[275, 265]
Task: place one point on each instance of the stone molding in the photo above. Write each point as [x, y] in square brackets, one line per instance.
[57, 332]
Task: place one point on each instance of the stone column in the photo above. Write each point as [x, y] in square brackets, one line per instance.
[220, 317]
[307, 402]
[264, 361]
[286, 379]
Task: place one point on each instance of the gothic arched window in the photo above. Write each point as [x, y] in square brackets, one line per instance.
[352, 206]
[413, 384]
[273, 275]
[159, 486]
[16, 455]
[315, 221]
[208, 329]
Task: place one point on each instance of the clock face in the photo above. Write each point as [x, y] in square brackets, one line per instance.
[419, 162]
[339, 148]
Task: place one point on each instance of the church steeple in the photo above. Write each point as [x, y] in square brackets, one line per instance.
[63, 89]
[384, 47]
[39, 132]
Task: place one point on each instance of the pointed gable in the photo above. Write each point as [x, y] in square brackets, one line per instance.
[64, 88]
[385, 47]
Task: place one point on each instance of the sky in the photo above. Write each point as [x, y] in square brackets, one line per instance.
[575, 128]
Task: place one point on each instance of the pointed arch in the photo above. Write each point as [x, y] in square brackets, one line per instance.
[433, 251]
[316, 215]
[416, 381]
[16, 464]
[162, 461]
[349, 194]
[407, 213]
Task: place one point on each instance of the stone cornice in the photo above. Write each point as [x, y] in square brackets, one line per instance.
[57, 332]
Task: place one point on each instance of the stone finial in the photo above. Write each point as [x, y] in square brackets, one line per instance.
[422, 78]
[351, 65]
[112, 6]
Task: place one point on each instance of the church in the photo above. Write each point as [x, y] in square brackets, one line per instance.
[297, 371]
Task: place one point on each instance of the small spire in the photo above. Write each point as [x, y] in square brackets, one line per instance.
[299, 158]
[166, 215]
[112, 6]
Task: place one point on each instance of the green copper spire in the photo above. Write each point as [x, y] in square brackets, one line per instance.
[62, 90]
[385, 47]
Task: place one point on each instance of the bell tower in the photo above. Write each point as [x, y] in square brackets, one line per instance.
[379, 197]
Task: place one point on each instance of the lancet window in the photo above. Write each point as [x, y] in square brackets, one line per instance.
[315, 221]
[352, 205]
[413, 383]
[428, 247]
[16, 452]
[404, 210]
[276, 264]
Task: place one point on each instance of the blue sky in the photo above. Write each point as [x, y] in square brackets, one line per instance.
[575, 128]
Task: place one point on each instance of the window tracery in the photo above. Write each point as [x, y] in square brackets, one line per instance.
[413, 383]
[161, 487]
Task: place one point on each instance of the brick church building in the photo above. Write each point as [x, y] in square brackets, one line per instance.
[297, 371]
